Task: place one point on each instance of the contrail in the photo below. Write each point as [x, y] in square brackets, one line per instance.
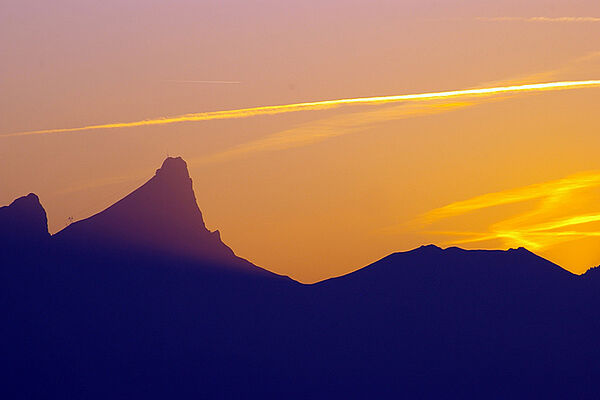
[320, 105]
[208, 82]
[541, 19]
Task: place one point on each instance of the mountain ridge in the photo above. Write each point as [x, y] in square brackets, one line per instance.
[105, 309]
[173, 174]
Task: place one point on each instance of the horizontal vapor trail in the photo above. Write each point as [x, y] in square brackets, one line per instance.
[541, 19]
[209, 82]
[321, 105]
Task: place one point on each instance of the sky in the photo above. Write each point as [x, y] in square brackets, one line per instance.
[320, 191]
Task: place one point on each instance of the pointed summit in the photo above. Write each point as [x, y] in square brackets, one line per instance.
[174, 175]
[175, 167]
[24, 221]
[162, 216]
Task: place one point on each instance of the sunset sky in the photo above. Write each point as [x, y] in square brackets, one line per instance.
[318, 190]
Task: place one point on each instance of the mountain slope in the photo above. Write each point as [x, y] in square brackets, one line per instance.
[160, 218]
[450, 322]
[455, 266]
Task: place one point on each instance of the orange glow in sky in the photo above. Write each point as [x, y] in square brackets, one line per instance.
[552, 220]
[314, 189]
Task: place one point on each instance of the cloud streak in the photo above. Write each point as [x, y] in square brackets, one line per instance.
[560, 219]
[540, 19]
[320, 105]
[554, 188]
[317, 131]
[205, 82]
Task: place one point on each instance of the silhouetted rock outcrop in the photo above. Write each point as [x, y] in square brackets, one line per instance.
[23, 222]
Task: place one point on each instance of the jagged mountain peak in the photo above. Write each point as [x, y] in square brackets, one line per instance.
[173, 166]
[161, 215]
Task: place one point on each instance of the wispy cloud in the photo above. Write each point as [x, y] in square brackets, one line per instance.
[540, 19]
[323, 105]
[552, 220]
[205, 82]
[536, 191]
[327, 128]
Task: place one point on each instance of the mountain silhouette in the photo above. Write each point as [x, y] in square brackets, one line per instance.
[455, 269]
[142, 301]
[23, 222]
[160, 217]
